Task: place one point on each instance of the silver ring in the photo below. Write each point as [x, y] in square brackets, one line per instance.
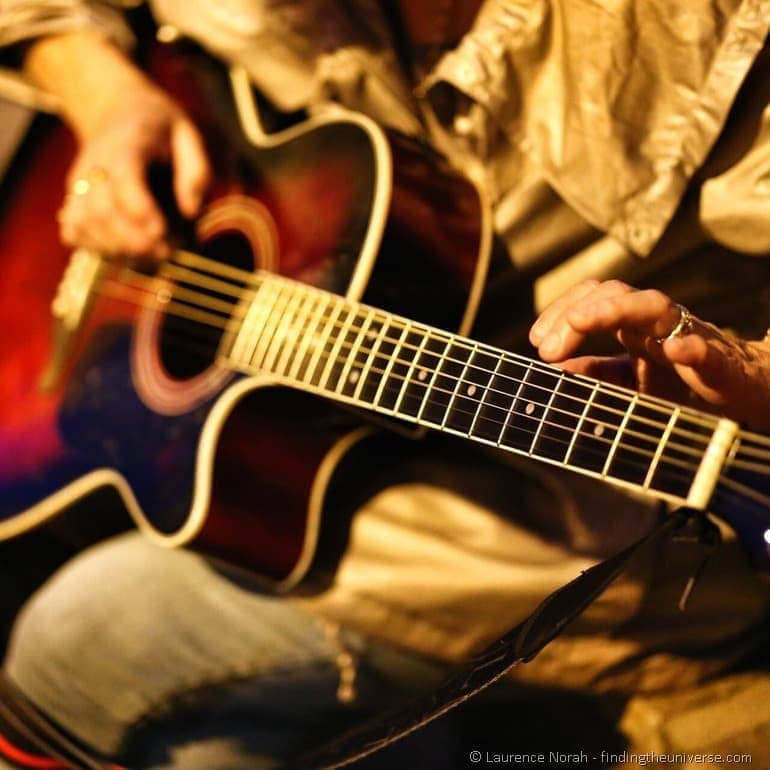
[684, 325]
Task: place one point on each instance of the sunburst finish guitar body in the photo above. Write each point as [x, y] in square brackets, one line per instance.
[197, 451]
[322, 272]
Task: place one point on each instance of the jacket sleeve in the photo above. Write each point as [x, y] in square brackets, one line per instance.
[24, 20]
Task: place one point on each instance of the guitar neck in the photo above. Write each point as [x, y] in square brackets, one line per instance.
[323, 343]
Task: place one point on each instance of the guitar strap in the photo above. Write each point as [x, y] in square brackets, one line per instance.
[518, 645]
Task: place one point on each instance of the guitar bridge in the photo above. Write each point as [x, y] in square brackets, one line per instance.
[69, 309]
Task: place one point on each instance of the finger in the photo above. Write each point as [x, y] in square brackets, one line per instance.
[95, 220]
[133, 195]
[726, 372]
[563, 339]
[545, 320]
[191, 167]
[649, 311]
[711, 368]
[640, 345]
[88, 222]
[141, 226]
[617, 370]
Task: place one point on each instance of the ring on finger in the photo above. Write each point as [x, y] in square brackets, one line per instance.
[82, 185]
[683, 327]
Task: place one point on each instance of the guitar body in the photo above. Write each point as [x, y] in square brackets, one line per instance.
[231, 465]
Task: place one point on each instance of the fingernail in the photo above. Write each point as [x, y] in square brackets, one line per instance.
[536, 334]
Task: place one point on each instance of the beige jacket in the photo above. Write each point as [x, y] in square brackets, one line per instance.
[586, 122]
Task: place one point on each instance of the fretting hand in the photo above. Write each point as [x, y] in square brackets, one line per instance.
[670, 353]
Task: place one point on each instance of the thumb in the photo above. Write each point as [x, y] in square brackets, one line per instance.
[192, 172]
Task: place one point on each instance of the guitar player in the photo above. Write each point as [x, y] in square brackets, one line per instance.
[612, 139]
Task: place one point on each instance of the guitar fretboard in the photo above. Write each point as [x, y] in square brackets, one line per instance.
[326, 344]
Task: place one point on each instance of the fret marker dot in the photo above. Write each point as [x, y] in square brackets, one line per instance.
[767, 536]
[529, 408]
[422, 375]
[353, 377]
[598, 430]
[471, 390]
[371, 335]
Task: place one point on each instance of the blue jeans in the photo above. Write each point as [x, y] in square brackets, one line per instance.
[193, 670]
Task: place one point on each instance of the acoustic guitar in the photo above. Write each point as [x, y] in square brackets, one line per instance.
[324, 272]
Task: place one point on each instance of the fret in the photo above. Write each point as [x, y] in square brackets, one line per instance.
[544, 416]
[559, 431]
[397, 385]
[258, 326]
[659, 451]
[527, 412]
[298, 315]
[270, 325]
[308, 334]
[234, 326]
[472, 387]
[680, 456]
[458, 384]
[579, 425]
[463, 387]
[389, 366]
[641, 437]
[376, 389]
[424, 367]
[423, 337]
[484, 396]
[283, 330]
[346, 386]
[334, 363]
[509, 411]
[249, 323]
[505, 377]
[618, 434]
[439, 395]
[365, 391]
[325, 340]
[438, 364]
[598, 431]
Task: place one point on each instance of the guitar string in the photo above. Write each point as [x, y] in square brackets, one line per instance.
[739, 463]
[577, 415]
[677, 470]
[450, 340]
[663, 459]
[670, 445]
[619, 392]
[652, 402]
[474, 348]
[747, 492]
[217, 267]
[385, 319]
[749, 450]
[746, 465]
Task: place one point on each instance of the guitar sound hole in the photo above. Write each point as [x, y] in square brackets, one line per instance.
[191, 332]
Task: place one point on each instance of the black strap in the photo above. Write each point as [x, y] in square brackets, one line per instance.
[520, 644]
